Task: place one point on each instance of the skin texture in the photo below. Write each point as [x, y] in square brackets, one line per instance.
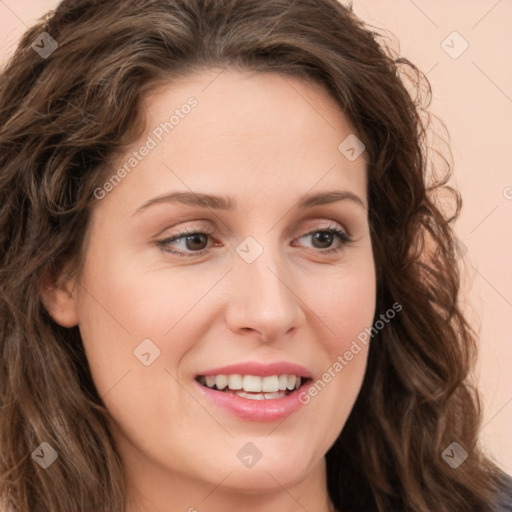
[266, 140]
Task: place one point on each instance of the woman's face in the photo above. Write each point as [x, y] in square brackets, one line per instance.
[266, 287]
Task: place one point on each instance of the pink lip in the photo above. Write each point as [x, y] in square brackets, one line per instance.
[255, 410]
[262, 370]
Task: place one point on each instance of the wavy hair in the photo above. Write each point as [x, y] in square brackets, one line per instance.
[65, 119]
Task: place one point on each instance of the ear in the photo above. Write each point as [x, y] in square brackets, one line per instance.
[59, 299]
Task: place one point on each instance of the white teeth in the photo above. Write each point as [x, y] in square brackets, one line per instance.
[252, 383]
[291, 382]
[251, 396]
[269, 385]
[260, 396]
[278, 394]
[235, 382]
[221, 381]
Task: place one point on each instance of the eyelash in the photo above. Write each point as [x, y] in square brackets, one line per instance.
[342, 237]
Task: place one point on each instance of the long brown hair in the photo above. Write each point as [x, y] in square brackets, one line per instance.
[66, 116]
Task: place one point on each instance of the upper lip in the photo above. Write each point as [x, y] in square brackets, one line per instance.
[260, 369]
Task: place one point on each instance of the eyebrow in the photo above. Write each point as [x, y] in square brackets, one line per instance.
[228, 203]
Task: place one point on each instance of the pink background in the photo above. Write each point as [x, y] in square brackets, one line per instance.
[473, 96]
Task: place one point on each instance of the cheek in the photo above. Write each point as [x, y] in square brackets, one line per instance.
[121, 307]
[348, 307]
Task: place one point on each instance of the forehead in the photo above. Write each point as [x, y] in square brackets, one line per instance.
[262, 103]
[247, 131]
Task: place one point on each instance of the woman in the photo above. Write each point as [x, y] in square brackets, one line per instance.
[225, 282]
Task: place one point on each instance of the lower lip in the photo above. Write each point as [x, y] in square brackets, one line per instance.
[274, 409]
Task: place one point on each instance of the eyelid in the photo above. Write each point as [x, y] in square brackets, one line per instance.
[319, 224]
[311, 225]
[341, 233]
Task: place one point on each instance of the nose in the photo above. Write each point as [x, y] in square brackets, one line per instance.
[262, 301]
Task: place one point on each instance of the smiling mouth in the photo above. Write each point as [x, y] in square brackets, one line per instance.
[253, 387]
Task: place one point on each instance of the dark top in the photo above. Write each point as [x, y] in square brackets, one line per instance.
[505, 496]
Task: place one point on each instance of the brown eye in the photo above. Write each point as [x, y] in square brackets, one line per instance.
[196, 241]
[189, 242]
[323, 239]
